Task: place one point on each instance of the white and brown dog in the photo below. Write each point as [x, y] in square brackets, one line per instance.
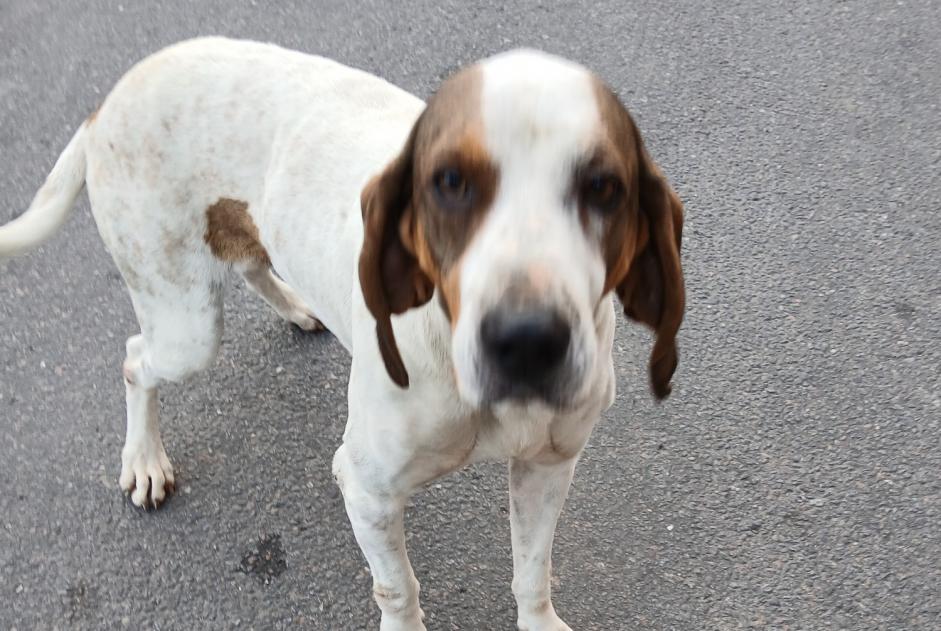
[465, 252]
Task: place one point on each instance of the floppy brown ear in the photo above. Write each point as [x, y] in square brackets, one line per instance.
[653, 291]
[389, 274]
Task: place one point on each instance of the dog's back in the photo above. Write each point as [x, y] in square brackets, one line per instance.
[268, 132]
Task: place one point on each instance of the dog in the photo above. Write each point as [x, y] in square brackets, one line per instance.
[467, 252]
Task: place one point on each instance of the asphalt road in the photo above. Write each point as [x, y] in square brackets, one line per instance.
[792, 480]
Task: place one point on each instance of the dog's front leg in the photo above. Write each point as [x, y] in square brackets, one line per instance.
[376, 514]
[537, 493]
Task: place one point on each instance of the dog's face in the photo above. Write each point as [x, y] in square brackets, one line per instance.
[522, 197]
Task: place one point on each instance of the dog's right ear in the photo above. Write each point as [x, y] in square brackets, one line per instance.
[389, 274]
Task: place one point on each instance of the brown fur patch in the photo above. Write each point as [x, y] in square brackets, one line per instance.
[232, 235]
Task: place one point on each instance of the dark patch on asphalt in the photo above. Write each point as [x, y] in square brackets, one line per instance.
[79, 598]
[903, 309]
[266, 561]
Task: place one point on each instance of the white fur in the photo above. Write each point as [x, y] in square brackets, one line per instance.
[296, 137]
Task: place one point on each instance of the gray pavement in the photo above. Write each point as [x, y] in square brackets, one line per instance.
[792, 480]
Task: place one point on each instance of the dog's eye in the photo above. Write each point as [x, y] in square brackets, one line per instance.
[601, 192]
[452, 189]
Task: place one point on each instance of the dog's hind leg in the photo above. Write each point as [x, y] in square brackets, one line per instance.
[279, 295]
[146, 472]
[181, 328]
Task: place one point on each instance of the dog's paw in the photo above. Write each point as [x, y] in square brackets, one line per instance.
[146, 473]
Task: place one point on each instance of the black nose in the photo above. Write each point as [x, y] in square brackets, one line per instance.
[525, 345]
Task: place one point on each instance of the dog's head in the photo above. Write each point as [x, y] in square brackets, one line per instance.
[524, 195]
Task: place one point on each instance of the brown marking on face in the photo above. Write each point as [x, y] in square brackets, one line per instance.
[451, 137]
[413, 239]
[616, 154]
[439, 254]
[643, 235]
[232, 235]
[451, 294]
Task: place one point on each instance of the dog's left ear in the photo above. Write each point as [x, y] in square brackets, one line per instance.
[653, 292]
[389, 274]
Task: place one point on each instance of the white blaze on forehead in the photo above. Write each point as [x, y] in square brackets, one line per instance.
[537, 108]
[540, 118]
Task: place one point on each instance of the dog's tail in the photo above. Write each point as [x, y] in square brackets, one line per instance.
[52, 203]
